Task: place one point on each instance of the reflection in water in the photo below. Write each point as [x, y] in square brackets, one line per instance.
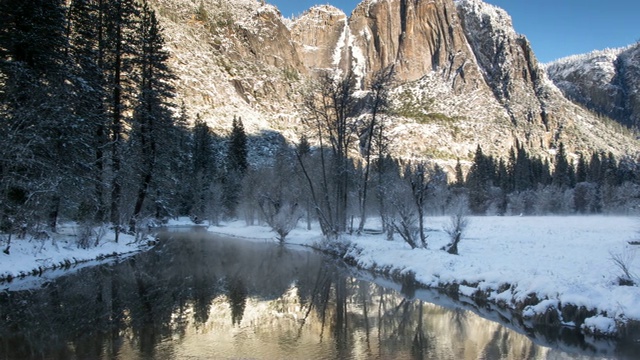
[202, 297]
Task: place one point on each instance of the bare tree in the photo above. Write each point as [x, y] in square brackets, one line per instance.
[330, 107]
[279, 198]
[458, 223]
[623, 261]
[419, 177]
[379, 103]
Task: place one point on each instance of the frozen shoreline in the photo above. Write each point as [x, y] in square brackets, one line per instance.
[37, 257]
[547, 269]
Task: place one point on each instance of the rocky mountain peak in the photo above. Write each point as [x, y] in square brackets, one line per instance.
[507, 60]
[417, 37]
[317, 33]
[607, 81]
[464, 76]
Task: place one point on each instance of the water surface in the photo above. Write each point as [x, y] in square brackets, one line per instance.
[197, 296]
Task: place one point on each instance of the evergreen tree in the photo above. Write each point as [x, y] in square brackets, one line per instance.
[86, 37]
[581, 170]
[121, 49]
[459, 175]
[203, 172]
[610, 168]
[594, 174]
[503, 178]
[511, 170]
[561, 176]
[237, 155]
[152, 120]
[236, 166]
[522, 176]
[479, 182]
[36, 124]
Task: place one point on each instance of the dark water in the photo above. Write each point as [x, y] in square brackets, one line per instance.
[202, 297]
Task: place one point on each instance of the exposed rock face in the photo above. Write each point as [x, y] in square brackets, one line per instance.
[629, 65]
[317, 34]
[417, 37]
[508, 62]
[608, 82]
[464, 77]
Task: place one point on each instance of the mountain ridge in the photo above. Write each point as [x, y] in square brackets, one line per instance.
[606, 81]
[466, 74]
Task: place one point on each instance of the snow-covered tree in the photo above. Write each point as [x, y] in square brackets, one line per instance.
[152, 129]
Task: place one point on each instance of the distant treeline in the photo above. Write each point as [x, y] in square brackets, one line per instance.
[522, 184]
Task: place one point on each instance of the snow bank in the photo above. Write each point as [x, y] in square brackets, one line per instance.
[529, 264]
[60, 250]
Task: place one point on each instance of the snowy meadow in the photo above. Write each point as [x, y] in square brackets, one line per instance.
[536, 265]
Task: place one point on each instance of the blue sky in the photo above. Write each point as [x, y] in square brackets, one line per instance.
[556, 28]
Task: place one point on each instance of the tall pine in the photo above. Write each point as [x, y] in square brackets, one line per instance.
[237, 164]
[121, 49]
[152, 120]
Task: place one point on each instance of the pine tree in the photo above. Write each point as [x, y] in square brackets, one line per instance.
[152, 120]
[203, 170]
[236, 166]
[503, 178]
[86, 37]
[561, 176]
[479, 181]
[610, 167]
[522, 176]
[581, 170]
[459, 175]
[36, 126]
[121, 48]
[237, 158]
[594, 174]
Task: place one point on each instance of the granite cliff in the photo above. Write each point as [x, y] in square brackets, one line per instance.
[463, 75]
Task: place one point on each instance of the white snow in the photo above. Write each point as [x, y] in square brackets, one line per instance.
[27, 255]
[602, 324]
[563, 260]
[342, 43]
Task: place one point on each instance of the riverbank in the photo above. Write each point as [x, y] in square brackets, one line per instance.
[54, 251]
[547, 270]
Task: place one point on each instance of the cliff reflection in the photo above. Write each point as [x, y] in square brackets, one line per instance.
[200, 297]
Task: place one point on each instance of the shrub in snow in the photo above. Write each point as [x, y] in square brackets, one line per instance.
[457, 225]
[89, 235]
[599, 325]
[624, 262]
[405, 225]
[282, 218]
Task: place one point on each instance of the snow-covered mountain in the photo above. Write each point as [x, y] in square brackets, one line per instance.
[464, 76]
[607, 82]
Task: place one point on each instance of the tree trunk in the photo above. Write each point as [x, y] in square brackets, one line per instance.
[142, 194]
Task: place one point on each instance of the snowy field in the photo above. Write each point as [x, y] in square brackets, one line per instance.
[563, 260]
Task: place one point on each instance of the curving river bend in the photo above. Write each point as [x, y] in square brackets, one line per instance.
[199, 296]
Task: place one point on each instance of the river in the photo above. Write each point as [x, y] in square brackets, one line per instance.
[200, 296]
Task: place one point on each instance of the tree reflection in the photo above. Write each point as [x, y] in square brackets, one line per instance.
[150, 306]
[237, 294]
